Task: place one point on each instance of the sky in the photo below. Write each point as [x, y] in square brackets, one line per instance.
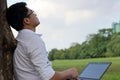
[63, 22]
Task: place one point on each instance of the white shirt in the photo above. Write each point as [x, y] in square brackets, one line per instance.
[30, 58]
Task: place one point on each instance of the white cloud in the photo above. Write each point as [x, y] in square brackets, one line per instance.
[78, 15]
[43, 8]
[116, 7]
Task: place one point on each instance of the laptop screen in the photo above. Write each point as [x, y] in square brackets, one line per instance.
[94, 70]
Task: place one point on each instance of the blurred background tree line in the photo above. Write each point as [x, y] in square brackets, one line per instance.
[105, 43]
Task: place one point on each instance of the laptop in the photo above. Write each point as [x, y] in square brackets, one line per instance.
[94, 70]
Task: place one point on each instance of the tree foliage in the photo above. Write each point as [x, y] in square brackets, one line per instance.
[113, 47]
[105, 43]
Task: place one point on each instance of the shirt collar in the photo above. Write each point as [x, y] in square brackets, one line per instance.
[29, 31]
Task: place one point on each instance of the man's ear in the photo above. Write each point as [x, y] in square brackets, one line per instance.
[26, 21]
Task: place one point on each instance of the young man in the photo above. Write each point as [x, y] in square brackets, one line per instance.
[30, 56]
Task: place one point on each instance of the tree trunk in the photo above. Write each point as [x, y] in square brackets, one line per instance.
[7, 45]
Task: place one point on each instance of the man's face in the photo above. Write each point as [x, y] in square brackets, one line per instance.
[34, 21]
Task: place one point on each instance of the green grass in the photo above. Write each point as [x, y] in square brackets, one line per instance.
[113, 73]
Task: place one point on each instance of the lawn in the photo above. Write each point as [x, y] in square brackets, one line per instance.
[113, 73]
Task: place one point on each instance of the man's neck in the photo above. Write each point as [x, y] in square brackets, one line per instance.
[30, 28]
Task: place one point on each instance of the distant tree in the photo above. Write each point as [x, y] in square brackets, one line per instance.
[59, 54]
[113, 47]
[74, 51]
[97, 45]
[84, 51]
[51, 54]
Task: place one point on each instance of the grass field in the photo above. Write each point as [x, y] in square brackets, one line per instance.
[113, 73]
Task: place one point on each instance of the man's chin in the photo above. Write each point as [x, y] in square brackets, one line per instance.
[38, 24]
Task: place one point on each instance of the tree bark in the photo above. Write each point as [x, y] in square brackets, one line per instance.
[7, 45]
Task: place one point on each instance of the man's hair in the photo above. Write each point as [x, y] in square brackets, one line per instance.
[15, 15]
